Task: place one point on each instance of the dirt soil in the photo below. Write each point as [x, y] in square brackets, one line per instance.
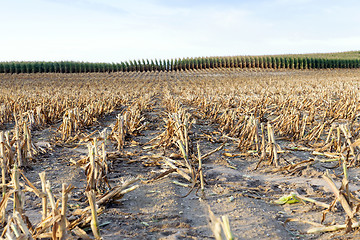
[161, 209]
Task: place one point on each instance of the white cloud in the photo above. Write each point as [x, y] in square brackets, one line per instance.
[110, 30]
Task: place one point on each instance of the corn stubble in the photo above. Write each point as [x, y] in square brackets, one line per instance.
[258, 114]
[70, 106]
[57, 222]
[252, 112]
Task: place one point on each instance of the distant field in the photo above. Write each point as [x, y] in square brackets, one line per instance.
[292, 61]
[335, 55]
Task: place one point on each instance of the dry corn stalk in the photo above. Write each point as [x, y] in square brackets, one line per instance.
[348, 202]
[201, 172]
[347, 134]
[94, 218]
[3, 163]
[44, 197]
[16, 228]
[178, 126]
[55, 224]
[19, 147]
[16, 225]
[96, 163]
[18, 194]
[111, 195]
[182, 124]
[129, 122]
[3, 205]
[96, 168]
[119, 132]
[272, 146]
[271, 149]
[248, 135]
[63, 221]
[117, 192]
[220, 226]
[70, 124]
[344, 198]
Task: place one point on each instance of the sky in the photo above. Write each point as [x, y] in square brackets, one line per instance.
[118, 30]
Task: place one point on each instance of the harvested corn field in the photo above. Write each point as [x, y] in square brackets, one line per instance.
[223, 153]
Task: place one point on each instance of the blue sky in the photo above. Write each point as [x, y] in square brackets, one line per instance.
[113, 31]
